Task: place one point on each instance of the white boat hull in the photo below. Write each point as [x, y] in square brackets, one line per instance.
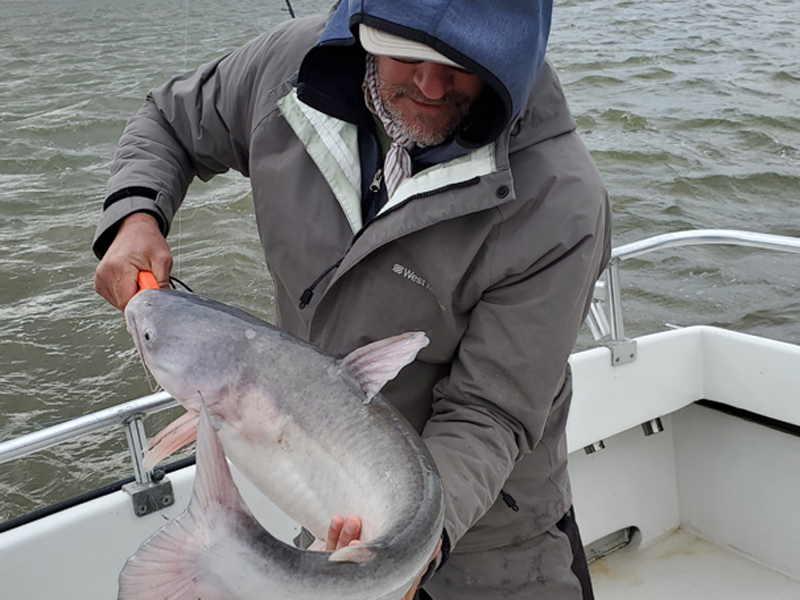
[731, 482]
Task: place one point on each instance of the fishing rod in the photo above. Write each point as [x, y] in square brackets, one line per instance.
[291, 10]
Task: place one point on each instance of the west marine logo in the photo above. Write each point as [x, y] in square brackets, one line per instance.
[420, 281]
[409, 274]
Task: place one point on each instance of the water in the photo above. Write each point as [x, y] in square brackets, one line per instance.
[690, 110]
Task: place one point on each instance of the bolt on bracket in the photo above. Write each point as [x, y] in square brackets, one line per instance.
[622, 351]
[150, 497]
[150, 491]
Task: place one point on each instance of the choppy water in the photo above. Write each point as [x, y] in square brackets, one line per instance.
[691, 110]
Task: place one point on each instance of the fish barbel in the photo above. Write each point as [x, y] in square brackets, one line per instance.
[310, 431]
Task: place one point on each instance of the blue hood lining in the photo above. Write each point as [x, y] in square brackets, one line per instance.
[330, 80]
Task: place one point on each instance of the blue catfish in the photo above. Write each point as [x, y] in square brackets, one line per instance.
[310, 431]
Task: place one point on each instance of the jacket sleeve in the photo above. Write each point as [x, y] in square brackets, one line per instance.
[511, 363]
[198, 124]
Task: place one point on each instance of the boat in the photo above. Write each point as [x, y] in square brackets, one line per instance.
[684, 459]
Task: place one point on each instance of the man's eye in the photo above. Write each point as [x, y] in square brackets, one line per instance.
[409, 61]
[406, 61]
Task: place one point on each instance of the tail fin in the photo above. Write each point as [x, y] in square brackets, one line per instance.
[164, 567]
[160, 569]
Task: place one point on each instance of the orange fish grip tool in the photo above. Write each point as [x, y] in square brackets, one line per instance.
[147, 280]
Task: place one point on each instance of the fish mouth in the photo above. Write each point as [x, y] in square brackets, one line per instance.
[130, 323]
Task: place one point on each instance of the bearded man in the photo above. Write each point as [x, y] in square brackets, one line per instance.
[414, 166]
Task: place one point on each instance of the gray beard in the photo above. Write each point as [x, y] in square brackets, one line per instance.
[419, 131]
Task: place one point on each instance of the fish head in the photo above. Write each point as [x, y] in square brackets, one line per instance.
[184, 343]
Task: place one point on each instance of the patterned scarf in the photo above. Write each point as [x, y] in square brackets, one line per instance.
[397, 164]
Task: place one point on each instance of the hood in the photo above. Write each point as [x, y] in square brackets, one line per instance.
[487, 37]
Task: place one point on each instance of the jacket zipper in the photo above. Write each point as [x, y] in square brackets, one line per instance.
[375, 186]
[308, 293]
[428, 194]
[446, 188]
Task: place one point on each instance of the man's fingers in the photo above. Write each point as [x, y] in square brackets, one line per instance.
[138, 246]
[438, 547]
[334, 531]
[160, 265]
[343, 532]
[116, 283]
[350, 533]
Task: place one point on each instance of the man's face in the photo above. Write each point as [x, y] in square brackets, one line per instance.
[427, 100]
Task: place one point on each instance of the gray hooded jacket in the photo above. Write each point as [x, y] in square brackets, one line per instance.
[493, 254]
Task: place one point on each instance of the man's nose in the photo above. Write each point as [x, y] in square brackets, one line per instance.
[434, 80]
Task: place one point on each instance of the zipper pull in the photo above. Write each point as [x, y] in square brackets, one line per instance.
[305, 298]
[509, 500]
[308, 293]
[375, 186]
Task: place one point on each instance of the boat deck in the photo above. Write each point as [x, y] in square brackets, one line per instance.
[685, 567]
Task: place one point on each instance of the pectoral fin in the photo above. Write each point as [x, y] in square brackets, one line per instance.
[376, 363]
[172, 438]
[356, 554]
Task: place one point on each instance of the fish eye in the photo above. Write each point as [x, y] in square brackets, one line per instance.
[149, 335]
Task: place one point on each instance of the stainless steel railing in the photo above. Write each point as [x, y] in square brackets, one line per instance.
[130, 415]
[606, 325]
[609, 329]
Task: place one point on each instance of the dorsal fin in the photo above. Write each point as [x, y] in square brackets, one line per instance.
[376, 363]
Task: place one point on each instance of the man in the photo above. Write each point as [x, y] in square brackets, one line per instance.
[414, 166]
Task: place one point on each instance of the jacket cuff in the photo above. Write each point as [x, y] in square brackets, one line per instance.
[122, 204]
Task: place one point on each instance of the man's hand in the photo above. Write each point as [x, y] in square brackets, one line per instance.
[346, 532]
[138, 246]
[341, 533]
